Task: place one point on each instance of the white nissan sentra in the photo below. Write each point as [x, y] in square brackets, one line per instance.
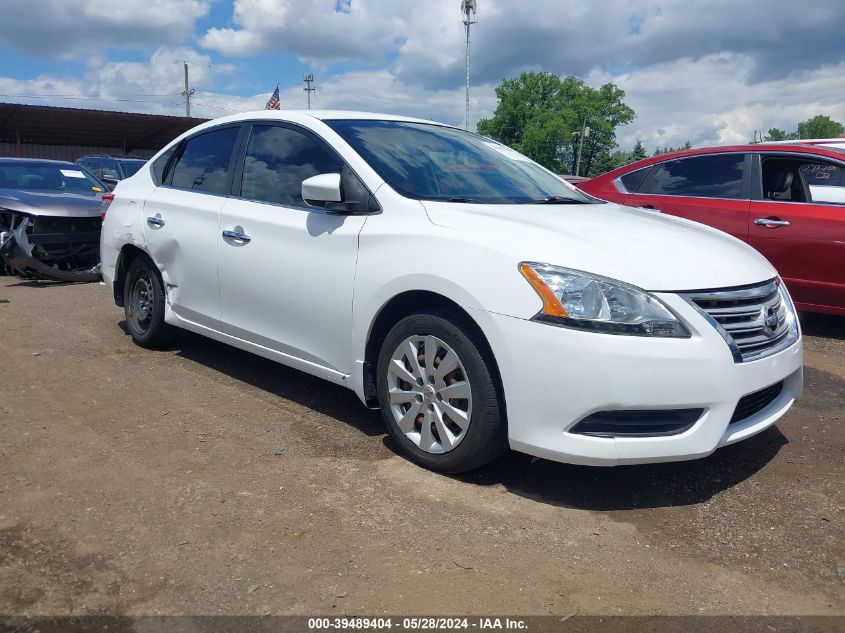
[476, 299]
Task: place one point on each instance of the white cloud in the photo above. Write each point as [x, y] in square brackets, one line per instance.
[68, 28]
[712, 100]
[708, 71]
[382, 91]
[312, 29]
[152, 86]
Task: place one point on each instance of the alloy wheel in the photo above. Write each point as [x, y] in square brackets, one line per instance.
[430, 394]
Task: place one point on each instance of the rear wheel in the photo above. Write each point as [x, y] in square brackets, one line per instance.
[143, 304]
[438, 392]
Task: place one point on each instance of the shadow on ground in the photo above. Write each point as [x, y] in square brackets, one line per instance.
[290, 384]
[631, 487]
[823, 325]
[46, 283]
[585, 487]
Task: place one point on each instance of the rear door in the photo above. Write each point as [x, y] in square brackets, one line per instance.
[797, 222]
[713, 189]
[182, 218]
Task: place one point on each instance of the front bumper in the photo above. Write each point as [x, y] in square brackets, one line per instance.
[553, 377]
[53, 251]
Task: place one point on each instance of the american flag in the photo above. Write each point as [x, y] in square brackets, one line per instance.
[273, 103]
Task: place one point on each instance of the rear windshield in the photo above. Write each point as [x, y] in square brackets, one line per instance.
[433, 162]
[48, 177]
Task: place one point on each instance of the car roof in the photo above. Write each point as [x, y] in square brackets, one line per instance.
[302, 117]
[113, 157]
[811, 141]
[796, 147]
[305, 116]
[9, 160]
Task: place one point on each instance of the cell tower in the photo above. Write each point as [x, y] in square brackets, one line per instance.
[308, 78]
[468, 8]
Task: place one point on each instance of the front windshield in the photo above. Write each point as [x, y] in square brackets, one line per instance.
[60, 177]
[129, 167]
[433, 162]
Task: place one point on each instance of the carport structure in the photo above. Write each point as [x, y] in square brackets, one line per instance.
[36, 131]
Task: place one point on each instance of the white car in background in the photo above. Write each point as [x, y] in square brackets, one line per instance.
[467, 292]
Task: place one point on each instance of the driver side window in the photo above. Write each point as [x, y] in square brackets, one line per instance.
[278, 159]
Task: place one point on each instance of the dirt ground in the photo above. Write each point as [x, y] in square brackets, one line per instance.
[135, 482]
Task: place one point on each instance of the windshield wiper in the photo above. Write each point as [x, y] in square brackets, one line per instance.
[558, 200]
[467, 200]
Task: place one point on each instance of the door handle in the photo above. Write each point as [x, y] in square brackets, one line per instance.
[155, 221]
[237, 235]
[771, 222]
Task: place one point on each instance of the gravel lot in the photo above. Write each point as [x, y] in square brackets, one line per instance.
[137, 482]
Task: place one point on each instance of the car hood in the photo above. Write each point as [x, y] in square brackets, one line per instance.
[648, 249]
[55, 204]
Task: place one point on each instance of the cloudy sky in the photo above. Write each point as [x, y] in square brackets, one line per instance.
[708, 71]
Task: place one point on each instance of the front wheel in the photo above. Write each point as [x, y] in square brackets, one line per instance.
[143, 304]
[439, 394]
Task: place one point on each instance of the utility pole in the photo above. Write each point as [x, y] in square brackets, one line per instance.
[187, 93]
[468, 8]
[308, 78]
[585, 131]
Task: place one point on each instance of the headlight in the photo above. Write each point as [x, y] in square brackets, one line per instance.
[580, 300]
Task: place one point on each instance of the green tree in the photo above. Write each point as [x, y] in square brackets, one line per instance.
[776, 134]
[820, 126]
[542, 116]
[638, 152]
[606, 161]
[668, 150]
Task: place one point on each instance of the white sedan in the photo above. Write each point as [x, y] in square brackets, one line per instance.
[470, 294]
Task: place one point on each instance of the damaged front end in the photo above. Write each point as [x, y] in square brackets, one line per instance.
[50, 247]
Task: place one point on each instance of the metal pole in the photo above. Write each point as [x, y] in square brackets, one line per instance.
[308, 78]
[467, 8]
[466, 121]
[580, 147]
[187, 94]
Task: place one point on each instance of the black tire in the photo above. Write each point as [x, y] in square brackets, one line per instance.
[486, 435]
[145, 324]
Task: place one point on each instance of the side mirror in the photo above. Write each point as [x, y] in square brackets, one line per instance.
[322, 191]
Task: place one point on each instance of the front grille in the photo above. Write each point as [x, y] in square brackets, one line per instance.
[756, 321]
[757, 401]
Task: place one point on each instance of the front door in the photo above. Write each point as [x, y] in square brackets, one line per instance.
[287, 271]
[711, 189]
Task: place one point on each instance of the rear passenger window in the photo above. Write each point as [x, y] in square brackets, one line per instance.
[718, 176]
[204, 163]
[95, 166]
[160, 164]
[110, 169]
[632, 181]
[278, 159]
